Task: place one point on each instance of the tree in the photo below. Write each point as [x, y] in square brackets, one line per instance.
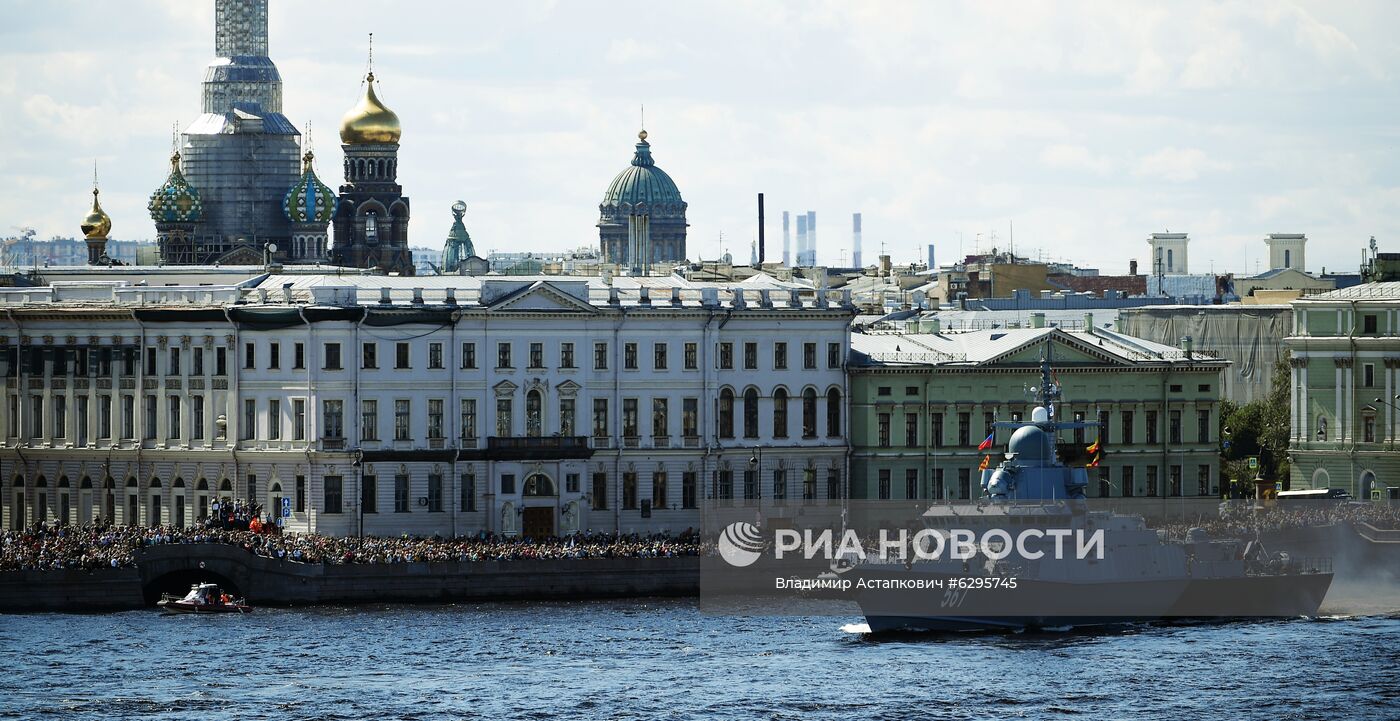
[1258, 428]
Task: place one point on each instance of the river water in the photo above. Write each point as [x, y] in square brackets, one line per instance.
[663, 659]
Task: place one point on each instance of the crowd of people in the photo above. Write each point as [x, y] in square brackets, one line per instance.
[46, 547]
[1243, 519]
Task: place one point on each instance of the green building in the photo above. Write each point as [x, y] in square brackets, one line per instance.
[1346, 375]
[922, 402]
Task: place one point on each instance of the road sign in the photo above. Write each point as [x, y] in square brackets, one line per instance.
[1253, 463]
[286, 507]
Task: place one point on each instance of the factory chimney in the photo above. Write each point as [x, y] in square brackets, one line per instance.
[787, 242]
[801, 240]
[760, 229]
[811, 239]
[855, 241]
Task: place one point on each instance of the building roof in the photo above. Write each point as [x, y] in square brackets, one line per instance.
[1389, 290]
[985, 347]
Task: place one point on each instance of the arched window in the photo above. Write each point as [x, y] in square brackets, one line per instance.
[780, 413]
[751, 413]
[809, 413]
[539, 485]
[534, 404]
[833, 413]
[85, 482]
[726, 413]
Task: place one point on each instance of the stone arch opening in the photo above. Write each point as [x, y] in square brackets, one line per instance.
[178, 583]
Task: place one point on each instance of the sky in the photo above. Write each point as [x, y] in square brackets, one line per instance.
[1071, 129]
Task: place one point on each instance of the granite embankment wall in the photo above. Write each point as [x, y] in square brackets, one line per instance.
[265, 581]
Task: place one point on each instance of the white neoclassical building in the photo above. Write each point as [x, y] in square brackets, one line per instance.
[451, 405]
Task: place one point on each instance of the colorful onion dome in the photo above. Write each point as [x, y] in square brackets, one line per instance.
[176, 201]
[309, 201]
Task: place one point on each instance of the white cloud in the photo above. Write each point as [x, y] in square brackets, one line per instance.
[1074, 157]
[1178, 165]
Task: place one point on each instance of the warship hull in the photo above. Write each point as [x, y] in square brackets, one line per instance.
[1038, 605]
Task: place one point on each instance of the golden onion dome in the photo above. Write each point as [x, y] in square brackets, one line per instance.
[369, 122]
[97, 224]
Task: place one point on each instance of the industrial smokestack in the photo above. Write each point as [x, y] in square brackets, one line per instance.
[787, 242]
[760, 228]
[802, 240]
[1132, 267]
[855, 241]
[931, 266]
[811, 239]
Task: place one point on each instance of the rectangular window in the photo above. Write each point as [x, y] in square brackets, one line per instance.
[809, 356]
[298, 356]
[250, 356]
[1174, 426]
[196, 362]
[690, 417]
[600, 356]
[1151, 427]
[435, 359]
[936, 429]
[1079, 435]
[536, 355]
[660, 423]
[174, 366]
[333, 419]
[1127, 424]
[36, 416]
[1368, 375]
[468, 503]
[629, 491]
[1368, 429]
[504, 421]
[435, 418]
[883, 423]
[833, 355]
[196, 418]
[503, 355]
[689, 495]
[129, 418]
[658, 356]
[600, 418]
[402, 356]
[172, 420]
[779, 485]
[568, 417]
[1203, 480]
[1175, 480]
[401, 493]
[331, 488]
[249, 426]
[150, 362]
[434, 492]
[911, 483]
[750, 484]
[658, 489]
[751, 356]
[151, 411]
[629, 417]
[911, 430]
[809, 484]
[692, 360]
[566, 355]
[964, 483]
[1129, 484]
[1203, 426]
[298, 419]
[780, 356]
[299, 505]
[726, 356]
[220, 362]
[629, 356]
[468, 419]
[402, 420]
[1369, 324]
[369, 494]
[1152, 481]
[964, 429]
[369, 356]
[369, 420]
[571, 483]
[507, 483]
[274, 419]
[468, 356]
[332, 356]
[274, 355]
[104, 414]
[600, 491]
[60, 416]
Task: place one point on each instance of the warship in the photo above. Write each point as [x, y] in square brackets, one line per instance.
[1133, 574]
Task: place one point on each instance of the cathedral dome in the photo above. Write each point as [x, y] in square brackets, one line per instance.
[309, 201]
[176, 201]
[97, 224]
[643, 184]
[369, 122]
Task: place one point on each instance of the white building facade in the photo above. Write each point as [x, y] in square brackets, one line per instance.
[371, 405]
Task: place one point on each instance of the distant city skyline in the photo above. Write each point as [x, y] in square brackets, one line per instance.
[1088, 128]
